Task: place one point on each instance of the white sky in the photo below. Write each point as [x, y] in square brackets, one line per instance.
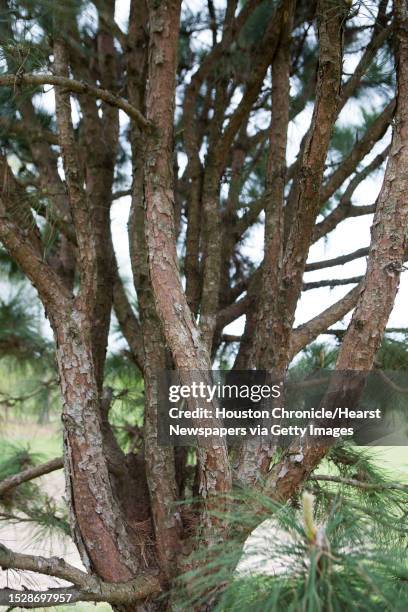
[348, 236]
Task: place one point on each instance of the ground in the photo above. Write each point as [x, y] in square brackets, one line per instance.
[45, 440]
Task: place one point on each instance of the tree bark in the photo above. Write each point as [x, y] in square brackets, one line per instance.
[256, 454]
[380, 285]
[182, 334]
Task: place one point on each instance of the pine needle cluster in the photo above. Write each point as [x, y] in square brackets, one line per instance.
[334, 548]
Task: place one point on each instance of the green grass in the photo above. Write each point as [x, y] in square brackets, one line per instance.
[394, 459]
[43, 439]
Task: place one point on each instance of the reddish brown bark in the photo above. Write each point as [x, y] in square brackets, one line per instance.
[159, 462]
[380, 285]
[255, 454]
[182, 334]
[122, 508]
[108, 544]
[307, 188]
[275, 192]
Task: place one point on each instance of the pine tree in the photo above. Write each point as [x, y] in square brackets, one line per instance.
[188, 111]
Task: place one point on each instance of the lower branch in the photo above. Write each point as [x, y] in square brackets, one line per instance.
[29, 474]
[86, 587]
[368, 486]
[77, 87]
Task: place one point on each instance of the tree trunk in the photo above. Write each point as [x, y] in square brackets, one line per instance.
[381, 281]
[182, 334]
[108, 545]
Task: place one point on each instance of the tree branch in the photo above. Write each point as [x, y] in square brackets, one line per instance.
[275, 191]
[29, 474]
[335, 282]
[20, 236]
[378, 289]
[183, 337]
[339, 214]
[368, 486]
[306, 203]
[336, 261]
[340, 332]
[373, 134]
[90, 587]
[306, 333]
[262, 58]
[380, 34]
[78, 87]
[232, 312]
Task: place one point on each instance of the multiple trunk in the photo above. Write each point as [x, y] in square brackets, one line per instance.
[380, 285]
[187, 346]
[119, 505]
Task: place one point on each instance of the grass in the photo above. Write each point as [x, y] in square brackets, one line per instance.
[43, 439]
[394, 459]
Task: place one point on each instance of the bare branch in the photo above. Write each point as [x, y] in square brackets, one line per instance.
[336, 261]
[307, 332]
[339, 333]
[116, 195]
[373, 134]
[230, 338]
[368, 486]
[380, 35]
[78, 87]
[143, 586]
[211, 59]
[233, 312]
[29, 474]
[339, 214]
[335, 282]
[263, 56]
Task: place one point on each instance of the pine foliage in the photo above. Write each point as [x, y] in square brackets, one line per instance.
[340, 548]
[28, 503]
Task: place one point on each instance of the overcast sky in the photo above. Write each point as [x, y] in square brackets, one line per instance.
[348, 236]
